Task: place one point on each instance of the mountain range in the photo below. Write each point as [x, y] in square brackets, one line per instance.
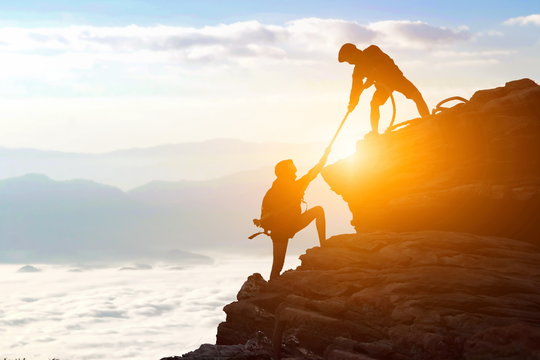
[130, 168]
[46, 220]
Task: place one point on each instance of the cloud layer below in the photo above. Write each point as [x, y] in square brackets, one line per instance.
[107, 313]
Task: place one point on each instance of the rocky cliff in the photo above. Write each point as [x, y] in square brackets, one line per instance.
[474, 167]
[418, 295]
[445, 263]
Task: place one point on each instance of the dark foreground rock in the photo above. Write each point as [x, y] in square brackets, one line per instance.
[421, 295]
[472, 168]
[225, 352]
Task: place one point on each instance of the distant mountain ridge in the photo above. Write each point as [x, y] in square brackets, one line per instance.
[45, 215]
[46, 220]
[27, 183]
[135, 167]
[43, 220]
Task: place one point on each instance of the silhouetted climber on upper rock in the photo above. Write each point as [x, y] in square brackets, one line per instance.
[379, 69]
[281, 214]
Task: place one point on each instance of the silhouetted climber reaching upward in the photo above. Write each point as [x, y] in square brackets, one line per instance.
[379, 69]
[281, 213]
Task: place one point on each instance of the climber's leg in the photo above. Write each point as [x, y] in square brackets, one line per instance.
[379, 98]
[410, 91]
[279, 244]
[315, 213]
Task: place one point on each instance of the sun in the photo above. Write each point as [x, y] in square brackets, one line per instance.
[342, 149]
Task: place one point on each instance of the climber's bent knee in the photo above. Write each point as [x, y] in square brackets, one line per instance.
[319, 211]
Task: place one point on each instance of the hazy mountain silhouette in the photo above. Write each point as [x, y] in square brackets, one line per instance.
[42, 219]
[230, 203]
[135, 167]
[46, 220]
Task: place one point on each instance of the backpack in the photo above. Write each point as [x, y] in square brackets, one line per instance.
[273, 206]
[382, 66]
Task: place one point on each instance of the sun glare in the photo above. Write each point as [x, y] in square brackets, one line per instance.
[342, 150]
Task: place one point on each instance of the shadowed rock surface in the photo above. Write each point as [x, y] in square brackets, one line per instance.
[473, 168]
[418, 295]
[446, 261]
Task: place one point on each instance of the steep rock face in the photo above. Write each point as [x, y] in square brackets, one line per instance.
[474, 168]
[421, 295]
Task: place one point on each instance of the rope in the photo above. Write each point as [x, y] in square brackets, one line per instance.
[439, 107]
[393, 112]
[348, 112]
[338, 129]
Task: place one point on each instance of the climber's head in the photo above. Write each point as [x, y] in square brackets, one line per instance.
[285, 170]
[348, 52]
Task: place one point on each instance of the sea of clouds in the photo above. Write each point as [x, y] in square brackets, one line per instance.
[132, 311]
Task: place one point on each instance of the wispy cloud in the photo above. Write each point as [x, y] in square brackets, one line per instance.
[468, 59]
[221, 43]
[471, 54]
[533, 19]
[417, 34]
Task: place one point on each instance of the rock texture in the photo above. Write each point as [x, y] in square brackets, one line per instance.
[473, 168]
[418, 295]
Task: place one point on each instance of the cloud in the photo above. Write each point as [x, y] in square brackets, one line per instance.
[103, 313]
[533, 19]
[466, 63]
[207, 81]
[224, 43]
[471, 54]
[417, 34]
[29, 299]
[490, 33]
[108, 313]
[137, 267]
[465, 59]
[155, 309]
[310, 34]
[19, 321]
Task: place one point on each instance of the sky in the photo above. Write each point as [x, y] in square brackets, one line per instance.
[96, 76]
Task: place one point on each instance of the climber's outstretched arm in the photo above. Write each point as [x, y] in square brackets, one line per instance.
[312, 174]
[356, 90]
[358, 86]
